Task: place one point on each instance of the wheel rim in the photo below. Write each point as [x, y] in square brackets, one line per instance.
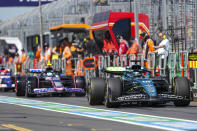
[108, 97]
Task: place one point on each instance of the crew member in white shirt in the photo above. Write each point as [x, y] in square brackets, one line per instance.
[163, 47]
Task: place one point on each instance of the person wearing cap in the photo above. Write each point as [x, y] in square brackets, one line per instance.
[78, 47]
[79, 68]
[74, 45]
[90, 47]
[148, 47]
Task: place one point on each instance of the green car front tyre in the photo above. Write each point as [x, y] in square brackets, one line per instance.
[113, 91]
[96, 90]
[182, 88]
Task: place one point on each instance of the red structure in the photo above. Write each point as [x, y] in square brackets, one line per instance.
[117, 23]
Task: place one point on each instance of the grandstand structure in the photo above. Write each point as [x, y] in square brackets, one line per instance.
[177, 18]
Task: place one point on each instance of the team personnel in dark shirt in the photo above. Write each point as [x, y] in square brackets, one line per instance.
[90, 47]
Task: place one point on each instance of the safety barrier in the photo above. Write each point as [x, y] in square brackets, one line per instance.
[183, 59]
[162, 64]
[172, 65]
[151, 63]
[177, 63]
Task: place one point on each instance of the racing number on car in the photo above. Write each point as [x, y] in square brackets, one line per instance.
[89, 63]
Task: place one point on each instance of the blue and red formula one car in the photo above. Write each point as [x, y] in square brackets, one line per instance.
[48, 81]
[6, 80]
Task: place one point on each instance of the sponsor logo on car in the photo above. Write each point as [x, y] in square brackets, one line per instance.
[43, 90]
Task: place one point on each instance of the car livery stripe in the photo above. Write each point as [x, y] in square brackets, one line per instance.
[5, 85]
[158, 122]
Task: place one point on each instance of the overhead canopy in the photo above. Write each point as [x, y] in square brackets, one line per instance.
[71, 27]
[83, 30]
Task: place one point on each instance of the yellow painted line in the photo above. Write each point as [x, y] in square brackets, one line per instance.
[74, 124]
[107, 129]
[61, 122]
[17, 128]
[69, 124]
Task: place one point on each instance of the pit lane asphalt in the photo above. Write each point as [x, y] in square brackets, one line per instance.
[37, 120]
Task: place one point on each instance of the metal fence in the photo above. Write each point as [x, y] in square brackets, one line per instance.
[176, 64]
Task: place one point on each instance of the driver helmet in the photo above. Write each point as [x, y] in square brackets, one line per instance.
[49, 66]
[49, 74]
[136, 73]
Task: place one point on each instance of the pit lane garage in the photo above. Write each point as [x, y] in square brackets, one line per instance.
[135, 84]
[45, 82]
